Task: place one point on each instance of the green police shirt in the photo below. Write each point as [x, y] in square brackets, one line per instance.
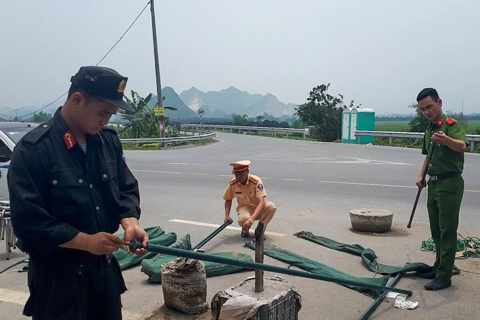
[444, 159]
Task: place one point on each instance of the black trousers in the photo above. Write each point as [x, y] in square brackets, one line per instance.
[78, 287]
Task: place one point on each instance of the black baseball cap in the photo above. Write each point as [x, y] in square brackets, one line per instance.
[104, 83]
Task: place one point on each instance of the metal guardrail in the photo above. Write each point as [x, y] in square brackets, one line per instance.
[274, 130]
[167, 141]
[409, 135]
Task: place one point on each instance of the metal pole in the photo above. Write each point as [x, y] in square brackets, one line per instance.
[157, 68]
[213, 234]
[380, 298]
[259, 257]
[253, 265]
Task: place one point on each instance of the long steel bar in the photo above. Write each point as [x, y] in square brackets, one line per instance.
[213, 234]
[253, 265]
[380, 298]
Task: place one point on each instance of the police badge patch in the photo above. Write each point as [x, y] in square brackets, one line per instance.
[260, 187]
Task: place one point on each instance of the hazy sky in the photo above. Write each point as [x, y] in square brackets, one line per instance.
[380, 53]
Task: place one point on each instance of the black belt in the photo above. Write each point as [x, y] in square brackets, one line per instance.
[444, 176]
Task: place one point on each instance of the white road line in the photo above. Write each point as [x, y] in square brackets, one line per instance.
[155, 171]
[20, 298]
[477, 191]
[292, 179]
[13, 296]
[199, 174]
[203, 224]
[368, 184]
[191, 164]
[381, 185]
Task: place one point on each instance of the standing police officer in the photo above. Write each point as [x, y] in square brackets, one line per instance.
[250, 193]
[445, 185]
[70, 189]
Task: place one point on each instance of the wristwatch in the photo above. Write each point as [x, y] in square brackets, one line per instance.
[251, 220]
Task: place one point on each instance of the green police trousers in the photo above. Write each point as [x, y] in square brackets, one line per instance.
[444, 199]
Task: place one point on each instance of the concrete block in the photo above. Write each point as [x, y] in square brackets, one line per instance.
[371, 220]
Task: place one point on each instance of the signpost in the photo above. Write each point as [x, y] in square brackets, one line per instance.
[200, 114]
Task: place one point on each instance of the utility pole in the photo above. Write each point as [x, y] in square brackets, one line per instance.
[161, 110]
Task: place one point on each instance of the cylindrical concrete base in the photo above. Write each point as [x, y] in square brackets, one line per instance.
[279, 300]
[371, 220]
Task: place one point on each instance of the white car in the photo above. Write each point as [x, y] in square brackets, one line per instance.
[10, 134]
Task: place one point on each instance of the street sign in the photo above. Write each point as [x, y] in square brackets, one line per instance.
[159, 111]
[201, 112]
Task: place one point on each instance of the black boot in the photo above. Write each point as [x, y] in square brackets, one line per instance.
[438, 284]
[426, 274]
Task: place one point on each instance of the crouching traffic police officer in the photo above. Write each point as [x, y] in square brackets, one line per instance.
[250, 193]
[70, 189]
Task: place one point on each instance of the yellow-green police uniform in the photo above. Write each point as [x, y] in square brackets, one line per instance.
[445, 192]
[247, 198]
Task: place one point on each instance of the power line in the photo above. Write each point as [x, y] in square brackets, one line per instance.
[120, 39]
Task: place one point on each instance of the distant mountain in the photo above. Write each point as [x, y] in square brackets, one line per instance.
[233, 101]
[216, 104]
[173, 100]
[269, 104]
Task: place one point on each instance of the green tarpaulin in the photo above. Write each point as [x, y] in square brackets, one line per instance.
[312, 266]
[368, 255]
[152, 267]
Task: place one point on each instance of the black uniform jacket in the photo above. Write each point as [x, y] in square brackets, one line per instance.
[57, 190]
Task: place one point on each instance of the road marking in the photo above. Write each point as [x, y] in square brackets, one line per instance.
[20, 298]
[477, 191]
[13, 296]
[368, 184]
[380, 185]
[203, 224]
[155, 171]
[191, 164]
[292, 179]
[199, 174]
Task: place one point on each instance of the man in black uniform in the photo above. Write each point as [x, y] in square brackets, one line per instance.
[70, 189]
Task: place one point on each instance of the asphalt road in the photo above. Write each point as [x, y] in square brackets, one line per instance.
[314, 186]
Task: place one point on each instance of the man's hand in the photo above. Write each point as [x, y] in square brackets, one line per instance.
[247, 224]
[104, 243]
[420, 184]
[99, 243]
[227, 219]
[439, 137]
[134, 231]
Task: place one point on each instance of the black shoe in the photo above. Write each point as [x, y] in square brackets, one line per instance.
[438, 284]
[427, 274]
[245, 234]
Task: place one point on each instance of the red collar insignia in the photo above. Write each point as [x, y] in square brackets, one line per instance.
[440, 122]
[69, 140]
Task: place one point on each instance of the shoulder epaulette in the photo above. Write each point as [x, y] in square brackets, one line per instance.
[34, 135]
[252, 179]
[233, 182]
[450, 121]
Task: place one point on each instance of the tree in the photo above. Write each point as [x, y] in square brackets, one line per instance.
[239, 120]
[324, 112]
[419, 123]
[41, 117]
[259, 120]
[142, 123]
